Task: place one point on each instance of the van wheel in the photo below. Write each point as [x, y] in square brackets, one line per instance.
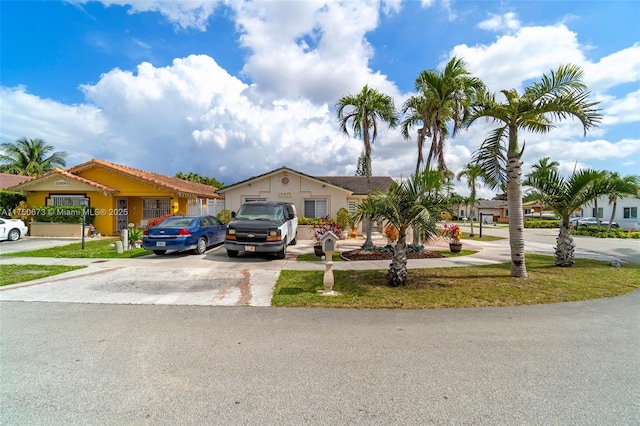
[295, 240]
[282, 253]
[232, 253]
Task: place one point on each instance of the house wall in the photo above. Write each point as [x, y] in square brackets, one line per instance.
[288, 187]
[607, 209]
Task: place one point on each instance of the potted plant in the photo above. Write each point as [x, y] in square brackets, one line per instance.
[324, 225]
[135, 237]
[452, 233]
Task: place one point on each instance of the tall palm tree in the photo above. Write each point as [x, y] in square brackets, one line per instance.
[30, 157]
[617, 187]
[364, 111]
[413, 109]
[556, 97]
[448, 94]
[473, 174]
[413, 202]
[563, 196]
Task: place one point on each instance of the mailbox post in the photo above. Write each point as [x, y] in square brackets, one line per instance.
[84, 202]
[328, 240]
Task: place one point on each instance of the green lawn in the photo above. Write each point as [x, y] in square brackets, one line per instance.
[12, 274]
[475, 286]
[93, 249]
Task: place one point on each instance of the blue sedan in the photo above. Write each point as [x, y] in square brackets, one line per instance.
[196, 233]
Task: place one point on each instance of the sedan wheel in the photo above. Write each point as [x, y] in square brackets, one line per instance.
[202, 245]
[13, 235]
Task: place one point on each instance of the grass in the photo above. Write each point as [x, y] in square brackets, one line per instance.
[93, 249]
[457, 287]
[476, 236]
[12, 274]
[310, 257]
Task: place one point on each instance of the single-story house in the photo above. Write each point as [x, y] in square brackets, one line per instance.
[489, 208]
[119, 194]
[313, 196]
[626, 214]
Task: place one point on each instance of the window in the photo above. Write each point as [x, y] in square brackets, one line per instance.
[152, 207]
[527, 211]
[65, 200]
[352, 207]
[315, 208]
[600, 212]
[630, 212]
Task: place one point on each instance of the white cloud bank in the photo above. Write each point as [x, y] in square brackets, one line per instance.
[194, 116]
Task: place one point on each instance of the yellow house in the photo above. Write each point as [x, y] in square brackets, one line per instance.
[118, 194]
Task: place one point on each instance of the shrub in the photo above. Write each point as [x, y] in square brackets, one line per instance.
[156, 220]
[594, 231]
[325, 225]
[62, 214]
[343, 218]
[9, 201]
[541, 224]
[224, 216]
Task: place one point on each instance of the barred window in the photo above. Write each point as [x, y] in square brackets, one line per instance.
[155, 207]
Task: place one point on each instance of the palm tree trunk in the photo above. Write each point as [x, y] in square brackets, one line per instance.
[565, 246]
[397, 274]
[516, 218]
[613, 214]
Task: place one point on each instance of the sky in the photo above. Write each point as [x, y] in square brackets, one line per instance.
[234, 89]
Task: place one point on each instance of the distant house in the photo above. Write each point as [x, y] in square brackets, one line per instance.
[119, 194]
[8, 180]
[626, 214]
[489, 208]
[313, 196]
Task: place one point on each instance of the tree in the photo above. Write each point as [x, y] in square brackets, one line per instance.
[363, 111]
[415, 109]
[616, 187]
[447, 95]
[556, 97]
[30, 157]
[413, 202]
[194, 177]
[364, 165]
[563, 196]
[473, 173]
[542, 166]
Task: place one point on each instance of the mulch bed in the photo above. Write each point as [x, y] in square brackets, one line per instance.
[379, 255]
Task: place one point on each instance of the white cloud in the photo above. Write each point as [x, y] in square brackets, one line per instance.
[500, 23]
[183, 14]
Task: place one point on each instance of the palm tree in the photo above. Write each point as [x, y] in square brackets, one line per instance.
[563, 196]
[364, 110]
[617, 187]
[413, 109]
[473, 173]
[413, 202]
[556, 97]
[542, 166]
[30, 157]
[447, 95]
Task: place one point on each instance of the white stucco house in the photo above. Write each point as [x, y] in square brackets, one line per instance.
[626, 214]
[313, 196]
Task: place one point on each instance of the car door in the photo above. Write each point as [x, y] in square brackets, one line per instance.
[3, 229]
[206, 228]
[219, 230]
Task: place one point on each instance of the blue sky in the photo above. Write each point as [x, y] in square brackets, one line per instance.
[236, 89]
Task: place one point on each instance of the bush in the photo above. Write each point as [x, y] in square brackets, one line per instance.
[309, 221]
[411, 248]
[9, 201]
[156, 220]
[62, 214]
[224, 216]
[541, 224]
[594, 231]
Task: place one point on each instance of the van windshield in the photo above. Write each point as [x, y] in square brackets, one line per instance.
[260, 212]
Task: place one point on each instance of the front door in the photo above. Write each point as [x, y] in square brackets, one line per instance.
[122, 214]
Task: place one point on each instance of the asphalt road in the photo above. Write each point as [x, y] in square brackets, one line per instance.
[563, 364]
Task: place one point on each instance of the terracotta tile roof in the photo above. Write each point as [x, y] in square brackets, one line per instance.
[171, 183]
[358, 184]
[60, 172]
[8, 180]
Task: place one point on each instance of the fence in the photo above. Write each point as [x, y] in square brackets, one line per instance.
[213, 207]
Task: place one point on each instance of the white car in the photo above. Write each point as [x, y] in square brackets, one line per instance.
[12, 229]
[592, 221]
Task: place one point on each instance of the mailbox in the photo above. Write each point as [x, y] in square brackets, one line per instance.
[328, 240]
